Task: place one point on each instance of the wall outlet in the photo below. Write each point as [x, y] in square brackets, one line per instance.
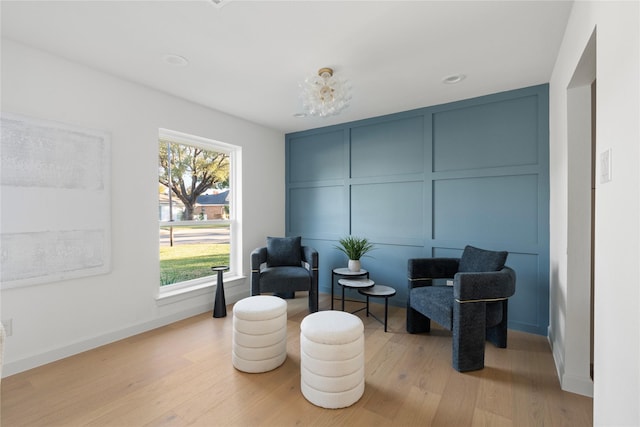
[8, 327]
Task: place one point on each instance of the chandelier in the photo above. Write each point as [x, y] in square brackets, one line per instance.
[325, 95]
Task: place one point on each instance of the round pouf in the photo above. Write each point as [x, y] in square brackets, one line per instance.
[259, 340]
[332, 359]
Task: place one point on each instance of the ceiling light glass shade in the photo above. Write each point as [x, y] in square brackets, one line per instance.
[325, 94]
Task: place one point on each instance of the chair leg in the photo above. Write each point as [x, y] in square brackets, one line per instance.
[498, 334]
[468, 336]
[313, 301]
[417, 322]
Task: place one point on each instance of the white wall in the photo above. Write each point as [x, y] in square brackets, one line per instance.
[55, 320]
[616, 386]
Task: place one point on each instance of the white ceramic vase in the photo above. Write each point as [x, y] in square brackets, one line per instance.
[354, 265]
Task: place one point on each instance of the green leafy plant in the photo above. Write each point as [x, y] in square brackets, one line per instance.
[355, 247]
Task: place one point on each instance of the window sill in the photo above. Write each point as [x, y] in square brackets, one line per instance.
[204, 288]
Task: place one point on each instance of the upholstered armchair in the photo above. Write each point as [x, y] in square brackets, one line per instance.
[474, 308]
[283, 267]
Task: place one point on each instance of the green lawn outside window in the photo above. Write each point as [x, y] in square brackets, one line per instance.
[190, 261]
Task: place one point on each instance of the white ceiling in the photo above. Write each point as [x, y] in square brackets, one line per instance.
[248, 57]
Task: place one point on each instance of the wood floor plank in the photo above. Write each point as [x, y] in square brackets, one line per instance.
[181, 375]
[529, 387]
[389, 395]
[418, 409]
[168, 419]
[482, 418]
[495, 394]
[458, 402]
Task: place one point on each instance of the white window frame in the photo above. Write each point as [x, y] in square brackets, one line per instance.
[234, 220]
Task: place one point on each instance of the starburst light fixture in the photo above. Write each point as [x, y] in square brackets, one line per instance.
[325, 95]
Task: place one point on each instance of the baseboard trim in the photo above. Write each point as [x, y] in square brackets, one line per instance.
[557, 356]
[233, 295]
[40, 359]
[568, 382]
[578, 385]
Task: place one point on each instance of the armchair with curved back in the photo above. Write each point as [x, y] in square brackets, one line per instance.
[283, 267]
[474, 308]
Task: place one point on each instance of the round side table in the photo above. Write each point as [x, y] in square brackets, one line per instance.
[354, 284]
[345, 272]
[379, 291]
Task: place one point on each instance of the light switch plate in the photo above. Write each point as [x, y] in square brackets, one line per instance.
[605, 166]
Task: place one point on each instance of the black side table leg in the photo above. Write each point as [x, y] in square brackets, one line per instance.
[332, 276]
[386, 311]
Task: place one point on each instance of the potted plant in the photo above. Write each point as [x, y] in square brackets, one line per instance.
[355, 248]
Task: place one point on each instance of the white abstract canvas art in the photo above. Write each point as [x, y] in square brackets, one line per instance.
[55, 221]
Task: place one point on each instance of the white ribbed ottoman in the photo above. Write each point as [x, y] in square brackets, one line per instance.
[259, 340]
[332, 359]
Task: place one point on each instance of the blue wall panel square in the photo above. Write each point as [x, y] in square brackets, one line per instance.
[390, 212]
[488, 135]
[317, 212]
[316, 157]
[495, 209]
[372, 147]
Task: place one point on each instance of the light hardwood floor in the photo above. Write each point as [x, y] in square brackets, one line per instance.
[182, 374]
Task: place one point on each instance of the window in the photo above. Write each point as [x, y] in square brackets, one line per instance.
[196, 209]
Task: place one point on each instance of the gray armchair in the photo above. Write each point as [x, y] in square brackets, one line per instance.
[283, 267]
[474, 308]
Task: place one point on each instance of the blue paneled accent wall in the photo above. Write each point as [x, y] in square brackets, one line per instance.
[427, 182]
